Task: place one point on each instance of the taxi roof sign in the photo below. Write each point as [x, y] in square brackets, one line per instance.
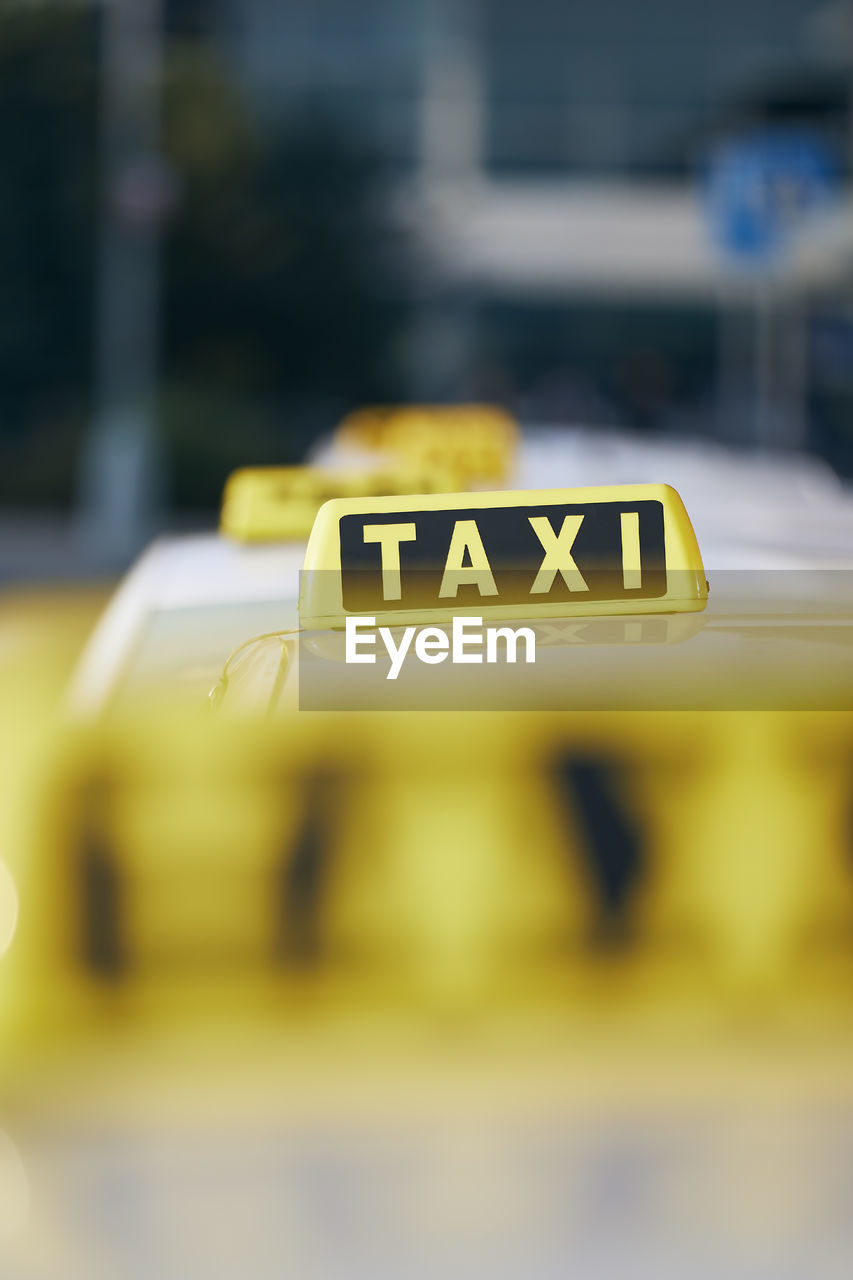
[479, 440]
[533, 553]
[274, 504]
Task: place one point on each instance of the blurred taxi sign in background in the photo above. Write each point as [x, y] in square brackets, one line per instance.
[479, 441]
[531, 553]
[271, 504]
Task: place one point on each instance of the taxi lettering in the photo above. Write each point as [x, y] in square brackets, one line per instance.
[525, 554]
[510, 555]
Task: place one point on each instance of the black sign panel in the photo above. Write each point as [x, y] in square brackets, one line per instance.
[596, 548]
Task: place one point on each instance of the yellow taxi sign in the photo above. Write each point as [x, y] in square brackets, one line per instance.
[273, 504]
[478, 440]
[536, 553]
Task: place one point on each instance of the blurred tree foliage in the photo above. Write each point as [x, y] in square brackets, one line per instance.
[47, 131]
[277, 307]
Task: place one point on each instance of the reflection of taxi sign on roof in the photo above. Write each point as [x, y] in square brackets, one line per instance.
[269, 504]
[477, 439]
[533, 554]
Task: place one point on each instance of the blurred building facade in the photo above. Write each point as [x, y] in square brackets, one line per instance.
[429, 199]
[537, 88]
[549, 158]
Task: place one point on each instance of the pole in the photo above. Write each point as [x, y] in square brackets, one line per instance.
[118, 479]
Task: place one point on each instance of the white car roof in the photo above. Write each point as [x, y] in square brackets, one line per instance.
[756, 512]
[183, 574]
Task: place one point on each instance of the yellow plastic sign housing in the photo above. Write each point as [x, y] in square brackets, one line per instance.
[477, 440]
[275, 504]
[537, 553]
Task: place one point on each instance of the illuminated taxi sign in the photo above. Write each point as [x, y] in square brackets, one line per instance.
[479, 440]
[270, 504]
[532, 554]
